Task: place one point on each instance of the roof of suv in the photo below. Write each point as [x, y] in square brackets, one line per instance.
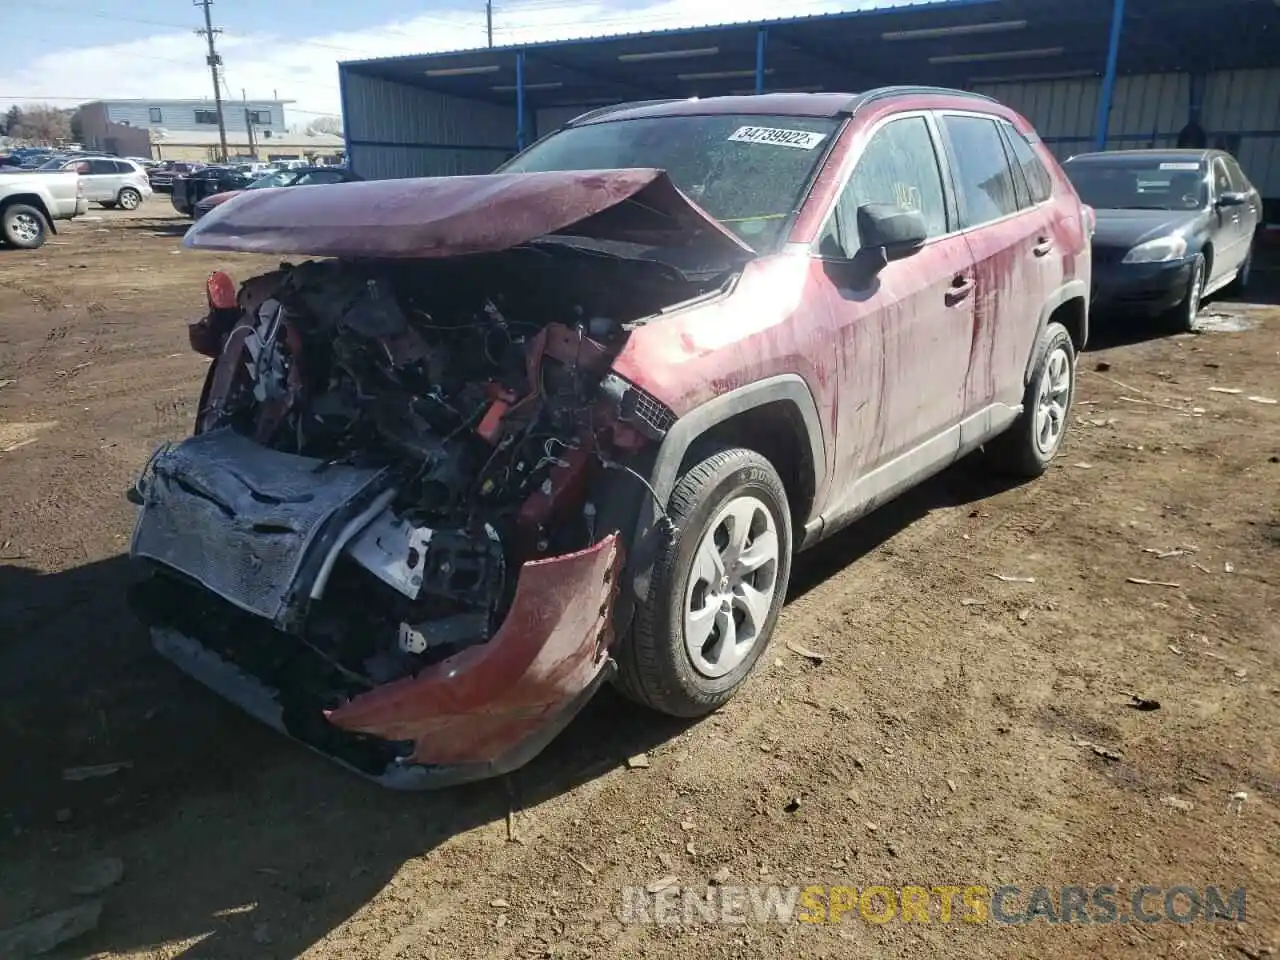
[1157, 155]
[776, 104]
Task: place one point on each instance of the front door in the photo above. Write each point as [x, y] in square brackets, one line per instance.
[902, 331]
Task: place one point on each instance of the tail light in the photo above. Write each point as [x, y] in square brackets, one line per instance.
[221, 291]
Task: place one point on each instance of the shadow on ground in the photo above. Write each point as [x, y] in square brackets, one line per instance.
[234, 813]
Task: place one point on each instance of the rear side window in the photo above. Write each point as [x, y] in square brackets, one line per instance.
[899, 166]
[102, 166]
[124, 166]
[1034, 174]
[983, 178]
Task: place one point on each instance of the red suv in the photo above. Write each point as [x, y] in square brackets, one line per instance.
[510, 436]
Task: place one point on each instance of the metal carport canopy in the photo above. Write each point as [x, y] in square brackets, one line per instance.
[955, 43]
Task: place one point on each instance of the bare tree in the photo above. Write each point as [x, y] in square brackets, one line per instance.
[331, 125]
[44, 124]
[12, 120]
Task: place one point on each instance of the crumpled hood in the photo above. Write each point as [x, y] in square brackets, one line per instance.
[452, 216]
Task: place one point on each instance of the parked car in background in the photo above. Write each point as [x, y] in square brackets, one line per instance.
[25, 155]
[1173, 227]
[109, 181]
[191, 188]
[300, 177]
[31, 204]
[163, 175]
[506, 437]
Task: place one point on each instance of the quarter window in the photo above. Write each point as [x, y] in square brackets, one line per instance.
[1033, 172]
[982, 174]
[899, 166]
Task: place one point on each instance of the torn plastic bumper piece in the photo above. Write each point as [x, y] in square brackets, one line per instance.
[486, 704]
[484, 711]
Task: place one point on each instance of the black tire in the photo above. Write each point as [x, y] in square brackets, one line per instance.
[1183, 317]
[655, 668]
[1020, 450]
[129, 199]
[23, 226]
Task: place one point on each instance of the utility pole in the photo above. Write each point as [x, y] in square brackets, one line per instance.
[214, 61]
[488, 21]
[248, 124]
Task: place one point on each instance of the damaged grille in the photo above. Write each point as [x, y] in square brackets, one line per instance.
[242, 519]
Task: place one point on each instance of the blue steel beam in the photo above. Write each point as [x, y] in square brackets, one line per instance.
[519, 100]
[762, 41]
[1109, 78]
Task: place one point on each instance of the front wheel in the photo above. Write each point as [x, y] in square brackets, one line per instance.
[23, 227]
[717, 587]
[129, 199]
[1183, 317]
[1035, 438]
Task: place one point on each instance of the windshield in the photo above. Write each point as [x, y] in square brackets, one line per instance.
[749, 172]
[1145, 185]
[277, 178]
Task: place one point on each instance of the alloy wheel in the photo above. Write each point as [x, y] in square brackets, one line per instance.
[1052, 402]
[731, 586]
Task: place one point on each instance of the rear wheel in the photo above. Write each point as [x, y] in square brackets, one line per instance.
[717, 587]
[129, 198]
[1026, 448]
[1241, 283]
[23, 227]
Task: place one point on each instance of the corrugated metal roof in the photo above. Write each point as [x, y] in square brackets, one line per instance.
[870, 9]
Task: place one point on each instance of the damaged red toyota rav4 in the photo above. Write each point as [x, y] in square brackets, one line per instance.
[506, 437]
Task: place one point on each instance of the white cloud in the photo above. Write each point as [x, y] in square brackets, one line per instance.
[170, 64]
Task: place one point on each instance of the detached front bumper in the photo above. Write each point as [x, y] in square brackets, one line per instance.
[480, 713]
[1143, 289]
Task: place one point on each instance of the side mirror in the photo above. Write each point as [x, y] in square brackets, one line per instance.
[899, 233]
[1233, 198]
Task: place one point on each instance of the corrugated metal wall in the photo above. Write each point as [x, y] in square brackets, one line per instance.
[550, 118]
[1241, 106]
[395, 130]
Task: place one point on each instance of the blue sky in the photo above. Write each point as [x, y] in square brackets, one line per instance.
[76, 50]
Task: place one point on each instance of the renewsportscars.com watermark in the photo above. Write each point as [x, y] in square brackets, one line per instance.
[973, 904]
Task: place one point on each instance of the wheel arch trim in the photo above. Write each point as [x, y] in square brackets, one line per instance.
[788, 388]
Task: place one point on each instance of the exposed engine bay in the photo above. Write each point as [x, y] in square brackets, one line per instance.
[381, 445]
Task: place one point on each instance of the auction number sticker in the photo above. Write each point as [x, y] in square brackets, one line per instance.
[800, 139]
[1180, 166]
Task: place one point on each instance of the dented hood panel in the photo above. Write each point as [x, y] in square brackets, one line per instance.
[452, 216]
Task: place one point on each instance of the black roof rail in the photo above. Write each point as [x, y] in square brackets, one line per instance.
[599, 112]
[881, 93]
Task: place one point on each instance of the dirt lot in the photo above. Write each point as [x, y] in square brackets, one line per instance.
[948, 737]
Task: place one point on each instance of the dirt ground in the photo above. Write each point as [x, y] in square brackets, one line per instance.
[960, 729]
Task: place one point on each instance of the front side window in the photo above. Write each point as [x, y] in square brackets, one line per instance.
[1138, 184]
[898, 168]
[751, 173]
[1221, 178]
[1239, 181]
[981, 169]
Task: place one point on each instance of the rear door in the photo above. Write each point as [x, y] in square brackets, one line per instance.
[903, 331]
[100, 182]
[1012, 246]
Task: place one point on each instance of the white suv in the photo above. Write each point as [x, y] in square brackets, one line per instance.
[109, 181]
